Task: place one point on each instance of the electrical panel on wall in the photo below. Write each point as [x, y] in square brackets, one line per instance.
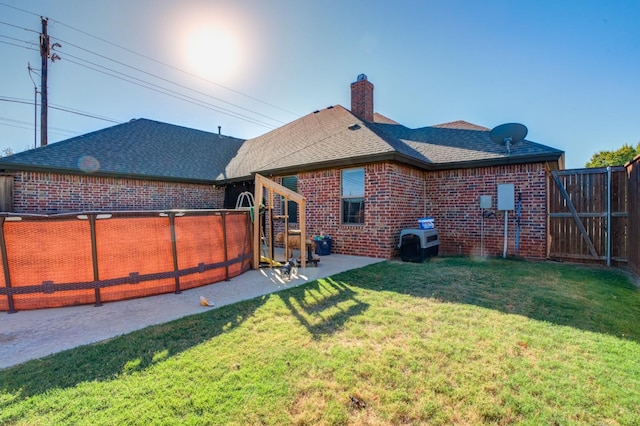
[506, 196]
[485, 201]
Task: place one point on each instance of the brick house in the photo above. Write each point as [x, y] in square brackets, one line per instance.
[139, 165]
[365, 176]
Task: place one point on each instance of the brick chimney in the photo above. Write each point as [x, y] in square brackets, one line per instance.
[362, 98]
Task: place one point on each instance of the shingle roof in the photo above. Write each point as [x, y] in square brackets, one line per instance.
[329, 136]
[335, 137]
[332, 137]
[379, 118]
[443, 147]
[139, 148]
[460, 124]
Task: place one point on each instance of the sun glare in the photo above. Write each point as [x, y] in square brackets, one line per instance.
[212, 54]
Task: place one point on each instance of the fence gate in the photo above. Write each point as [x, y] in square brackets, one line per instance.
[588, 215]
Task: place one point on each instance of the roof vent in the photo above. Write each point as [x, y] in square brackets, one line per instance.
[355, 126]
[316, 111]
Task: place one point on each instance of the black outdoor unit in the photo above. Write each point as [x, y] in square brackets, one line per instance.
[416, 245]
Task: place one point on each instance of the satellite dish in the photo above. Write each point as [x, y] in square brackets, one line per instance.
[508, 134]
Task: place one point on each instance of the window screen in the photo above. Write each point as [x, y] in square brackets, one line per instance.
[353, 195]
[291, 182]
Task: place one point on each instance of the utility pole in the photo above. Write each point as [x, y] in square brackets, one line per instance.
[45, 55]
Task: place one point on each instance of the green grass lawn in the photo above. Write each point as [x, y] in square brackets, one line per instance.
[450, 341]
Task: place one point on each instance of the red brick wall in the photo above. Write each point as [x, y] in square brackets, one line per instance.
[393, 198]
[362, 99]
[48, 193]
[453, 199]
[397, 196]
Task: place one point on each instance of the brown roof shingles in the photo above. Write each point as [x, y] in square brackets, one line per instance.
[139, 148]
[460, 125]
[324, 139]
[332, 137]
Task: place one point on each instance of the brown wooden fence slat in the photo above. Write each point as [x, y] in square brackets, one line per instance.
[574, 213]
[633, 237]
[588, 214]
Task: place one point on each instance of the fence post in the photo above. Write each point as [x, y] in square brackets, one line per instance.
[174, 249]
[5, 267]
[608, 215]
[94, 256]
[226, 248]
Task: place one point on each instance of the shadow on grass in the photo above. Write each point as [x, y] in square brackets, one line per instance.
[124, 354]
[323, 306]
[597, 299]
[593, 299]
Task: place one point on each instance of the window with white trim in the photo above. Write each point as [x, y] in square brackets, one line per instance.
[352, 204]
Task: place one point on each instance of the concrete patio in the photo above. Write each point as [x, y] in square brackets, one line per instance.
[32, 334]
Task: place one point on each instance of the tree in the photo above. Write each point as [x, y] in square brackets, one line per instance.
[614, 158]
[5, 152]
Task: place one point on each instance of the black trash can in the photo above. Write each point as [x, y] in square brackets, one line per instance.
[416, 245]
[323, 245]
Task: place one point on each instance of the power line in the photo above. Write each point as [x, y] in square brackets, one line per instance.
[150, 86]
[16, 126]
[168, 92]
[16, 100]
[85, 114]
[17, 8]
[60, 132]
[17, 39]
[175, 68]
[163, 79]
[159, 89]
[14, 121]
[62, 108]
[155, 61]
[11, 120]
[18, 45]
[17, 26]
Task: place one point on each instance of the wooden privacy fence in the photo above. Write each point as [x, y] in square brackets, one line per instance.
[633, 253]
[95, 257]
[588, 216]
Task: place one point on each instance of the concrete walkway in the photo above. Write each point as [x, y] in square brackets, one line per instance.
[33, 334]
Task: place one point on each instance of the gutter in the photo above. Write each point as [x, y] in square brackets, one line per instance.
[411, 161]
[7, 167]
[393, 156]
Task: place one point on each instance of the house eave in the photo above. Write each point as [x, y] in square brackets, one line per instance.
[552, 158]
[331, 164]
[7, 167]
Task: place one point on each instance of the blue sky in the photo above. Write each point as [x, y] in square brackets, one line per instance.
[568, 70]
